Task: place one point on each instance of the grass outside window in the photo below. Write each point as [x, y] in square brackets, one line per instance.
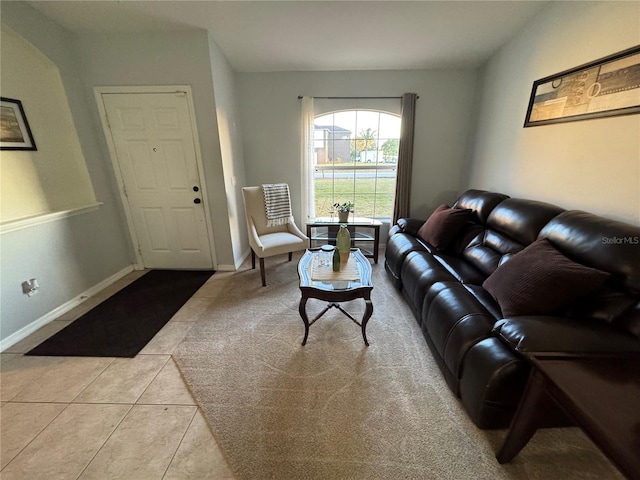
[371, 194]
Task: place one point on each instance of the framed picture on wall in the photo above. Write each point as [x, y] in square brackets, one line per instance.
[606, 87]
[15, 133]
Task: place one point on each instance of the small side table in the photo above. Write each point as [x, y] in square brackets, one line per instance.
[365, 233]
[599, 392]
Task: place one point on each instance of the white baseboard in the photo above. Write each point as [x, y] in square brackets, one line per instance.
[226, 268]
[244, 256]
[237, 263]
[62, 309]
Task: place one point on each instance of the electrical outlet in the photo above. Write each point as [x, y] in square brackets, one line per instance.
[30, 287]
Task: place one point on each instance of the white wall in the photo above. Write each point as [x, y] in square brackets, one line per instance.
[72, 255]
[167, 58]
[270, 116]
[593, 165]
[224, 88]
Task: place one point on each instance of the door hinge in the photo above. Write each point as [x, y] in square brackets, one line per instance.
[124, 190]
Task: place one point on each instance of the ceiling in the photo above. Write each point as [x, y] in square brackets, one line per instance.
[270, 36]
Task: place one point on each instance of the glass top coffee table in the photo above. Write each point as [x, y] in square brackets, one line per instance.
[320, 282]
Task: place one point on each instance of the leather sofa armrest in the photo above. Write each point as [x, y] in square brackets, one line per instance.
[410, 225]
[529, 334]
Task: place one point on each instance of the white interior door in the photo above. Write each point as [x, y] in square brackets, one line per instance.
[153, 139]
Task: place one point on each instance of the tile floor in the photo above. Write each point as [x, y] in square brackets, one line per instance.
[105, 418]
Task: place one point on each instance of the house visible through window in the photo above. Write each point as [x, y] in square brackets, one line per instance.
[356, 154]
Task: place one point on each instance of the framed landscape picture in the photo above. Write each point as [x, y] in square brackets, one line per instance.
[15, 133]
[606, 87]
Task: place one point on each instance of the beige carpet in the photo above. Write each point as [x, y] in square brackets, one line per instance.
[336, 409]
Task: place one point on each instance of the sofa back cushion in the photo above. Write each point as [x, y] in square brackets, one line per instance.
[607, 305]
[600, 243]
[481, 202]
[512, 225]
[608, 245]
[520, 219]
[489, 250]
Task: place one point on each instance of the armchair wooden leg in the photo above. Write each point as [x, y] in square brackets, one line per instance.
[262, 275]
[290, 255]
[253, 260]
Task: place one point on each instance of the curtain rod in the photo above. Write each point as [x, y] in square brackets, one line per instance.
[347, 98]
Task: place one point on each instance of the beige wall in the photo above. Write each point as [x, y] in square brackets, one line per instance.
[54, 177]
[592, 165]
[167, 58]
[68, 256]
[271, 126]
[224, 88]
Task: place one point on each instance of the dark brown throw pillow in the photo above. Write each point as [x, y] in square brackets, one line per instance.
[539, 280]
[444, 224]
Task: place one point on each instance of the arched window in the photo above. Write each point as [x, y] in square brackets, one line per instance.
[355, 158]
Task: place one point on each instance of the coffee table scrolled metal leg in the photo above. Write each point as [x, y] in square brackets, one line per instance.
[302, 308]
[368, 310]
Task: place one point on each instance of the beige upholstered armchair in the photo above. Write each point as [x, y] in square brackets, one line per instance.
[265, 240]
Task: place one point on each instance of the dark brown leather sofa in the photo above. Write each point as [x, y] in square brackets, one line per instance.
[481, 352]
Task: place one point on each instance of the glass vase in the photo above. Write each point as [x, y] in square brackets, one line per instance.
[343, 242]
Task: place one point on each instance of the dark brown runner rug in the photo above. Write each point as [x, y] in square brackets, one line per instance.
[124, 323]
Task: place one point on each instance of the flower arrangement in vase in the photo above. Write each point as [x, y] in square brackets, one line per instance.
[343, 209]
